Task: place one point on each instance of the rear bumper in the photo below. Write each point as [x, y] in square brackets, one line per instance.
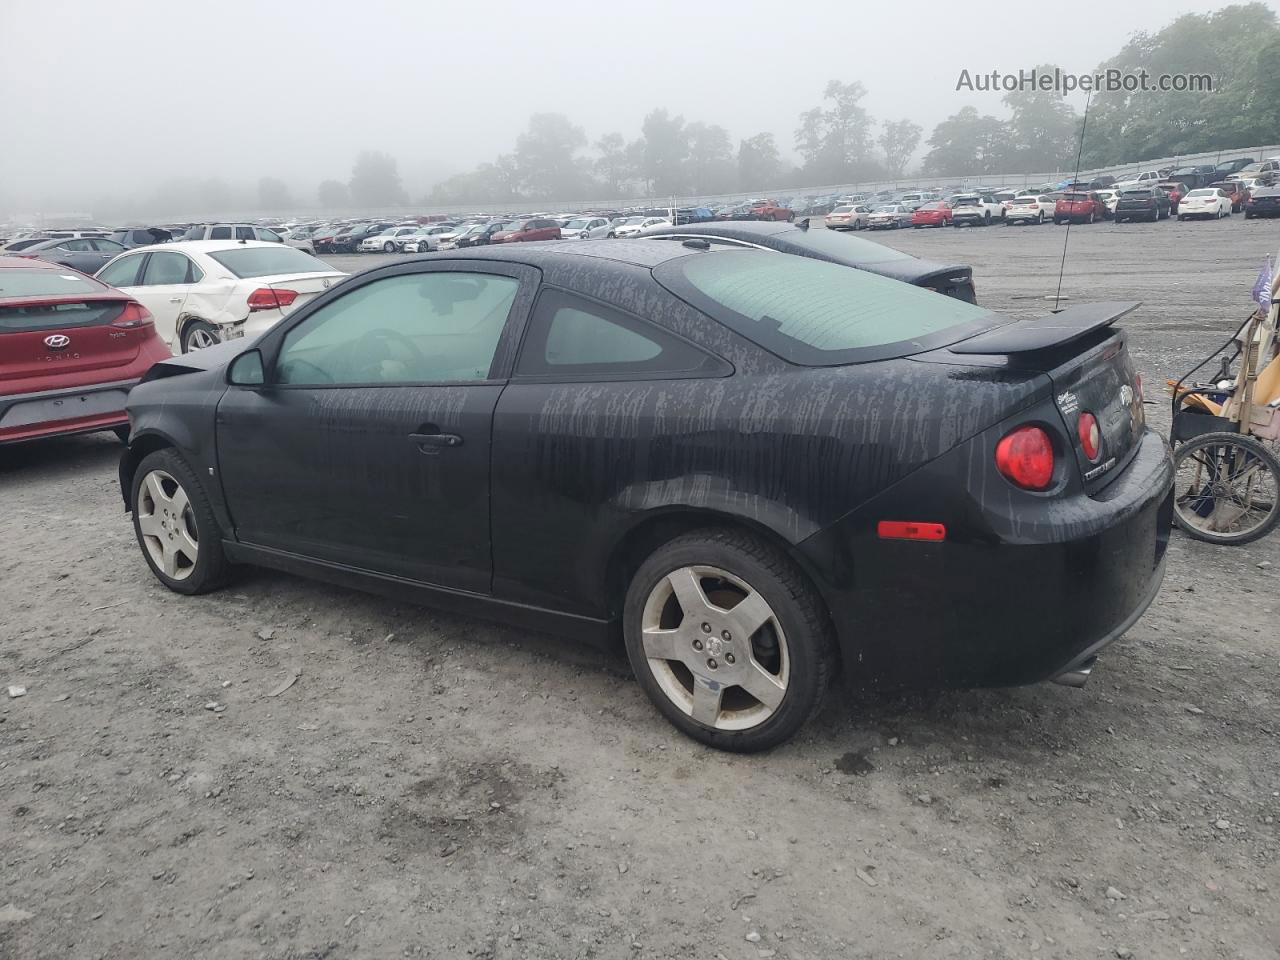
[1012, 596]
[52, 413]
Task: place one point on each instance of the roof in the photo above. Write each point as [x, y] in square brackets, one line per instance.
[30, 262]
[640, 253]
[205, 246]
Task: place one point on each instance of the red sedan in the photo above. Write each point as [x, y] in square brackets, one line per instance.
[71, 348]
[932, 215]
[771, 210]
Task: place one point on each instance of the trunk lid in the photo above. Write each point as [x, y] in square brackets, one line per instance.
[59, 336]
[1089, 365]
[308, 286]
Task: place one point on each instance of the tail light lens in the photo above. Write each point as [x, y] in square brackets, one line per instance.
[1025, 457]
[134, 316]
[1090, 435]
[267, 298]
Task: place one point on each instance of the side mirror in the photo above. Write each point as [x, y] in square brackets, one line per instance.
[246, 370]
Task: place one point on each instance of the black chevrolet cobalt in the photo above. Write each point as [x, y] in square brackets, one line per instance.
[755, 470]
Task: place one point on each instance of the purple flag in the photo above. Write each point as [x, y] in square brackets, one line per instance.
[1262, 288]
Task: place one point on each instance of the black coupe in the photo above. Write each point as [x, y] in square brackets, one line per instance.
[755, 470]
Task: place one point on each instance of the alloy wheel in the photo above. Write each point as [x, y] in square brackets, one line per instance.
[715, 648]
[201, 338]
[167, 525]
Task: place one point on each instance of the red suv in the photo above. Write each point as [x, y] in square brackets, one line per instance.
[770, 210]
[1079, 207]
[518, 231]
[71, 348]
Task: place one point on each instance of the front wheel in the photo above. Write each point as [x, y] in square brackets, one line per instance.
[199, 334]
[175, 527]
[728, 639]
[388, 247]
[1226, 488]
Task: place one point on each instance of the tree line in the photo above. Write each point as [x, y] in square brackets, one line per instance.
[838, 141]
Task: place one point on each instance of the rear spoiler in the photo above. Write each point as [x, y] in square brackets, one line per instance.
[1028, 336]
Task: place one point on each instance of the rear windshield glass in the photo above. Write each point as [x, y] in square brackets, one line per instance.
[57, 316]
[1137, 194]
[1203, 193]
[43, 283]
[819, 314]
[247, 262]
[841, 246]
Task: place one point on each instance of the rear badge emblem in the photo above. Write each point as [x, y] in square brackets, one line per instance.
[58, 341]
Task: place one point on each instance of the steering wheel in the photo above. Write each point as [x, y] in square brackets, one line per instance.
[370, 349]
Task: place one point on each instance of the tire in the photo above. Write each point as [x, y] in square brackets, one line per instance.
[198, 334]
[1040, 218]
[789, 655]
[122, 433]
[388, 247]
[1201, 463]
[986, 219]
[161, 535]
[1091, 216]
[1057, 221]
[1248, 215]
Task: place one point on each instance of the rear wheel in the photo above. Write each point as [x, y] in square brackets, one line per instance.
[1040, 218]
[122, 433]
[986, 219]
[199, 334]
[728, 639]
[1226, 488]
[175, 526]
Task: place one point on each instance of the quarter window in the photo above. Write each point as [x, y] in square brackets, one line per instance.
[220, 233]
[573, 337]
[433, 327]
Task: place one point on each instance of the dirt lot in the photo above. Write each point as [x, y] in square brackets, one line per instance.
[438, 787]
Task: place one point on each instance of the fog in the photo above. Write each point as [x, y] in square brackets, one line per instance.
[106, 99]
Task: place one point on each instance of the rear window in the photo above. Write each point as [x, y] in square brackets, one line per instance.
[57, 316]
[1203, 193]
[1075, 196]
[831, 243]
[268, 261]
[815, 313]
[24, 244]
[44, 283]
[1136, 194]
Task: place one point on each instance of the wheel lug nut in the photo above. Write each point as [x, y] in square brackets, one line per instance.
[712, 663]
[697, 644]
[706, 628]
[726, 635]
[728, 658]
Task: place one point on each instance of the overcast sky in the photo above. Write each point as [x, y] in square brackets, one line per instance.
[105, 98]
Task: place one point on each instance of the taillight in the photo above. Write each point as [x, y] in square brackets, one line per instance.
[1025, 457]
[268, 298]
[1090, 435]
[133, 316]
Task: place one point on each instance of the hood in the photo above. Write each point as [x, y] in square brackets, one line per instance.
[210, 358]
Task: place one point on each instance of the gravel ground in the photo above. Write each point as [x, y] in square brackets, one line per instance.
[439, 787]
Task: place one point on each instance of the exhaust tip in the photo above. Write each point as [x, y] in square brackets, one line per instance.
[1077, 676]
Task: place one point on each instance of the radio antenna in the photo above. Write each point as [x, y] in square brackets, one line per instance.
[1084, 122]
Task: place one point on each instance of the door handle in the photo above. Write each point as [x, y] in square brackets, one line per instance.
[175, 299]
[426, 441]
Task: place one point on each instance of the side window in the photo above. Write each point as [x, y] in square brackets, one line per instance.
[220, 233]
[76, 246]
[103, 245]
[269, 236]
[122, 272]
[427, 327]
[166, 268]
[245, 233]
[573, 337]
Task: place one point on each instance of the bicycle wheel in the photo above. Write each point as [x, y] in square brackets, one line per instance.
[1226, 488]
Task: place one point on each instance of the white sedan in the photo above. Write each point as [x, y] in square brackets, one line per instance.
[388, 241]
[1209, 202]
[632, 226]
[582, 228]
[426, 239]
[202, 292]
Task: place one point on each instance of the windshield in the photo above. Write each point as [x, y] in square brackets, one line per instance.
[575, 225]
[245, 262]
[815, 313]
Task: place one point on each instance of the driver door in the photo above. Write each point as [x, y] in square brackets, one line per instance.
[368, 446]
